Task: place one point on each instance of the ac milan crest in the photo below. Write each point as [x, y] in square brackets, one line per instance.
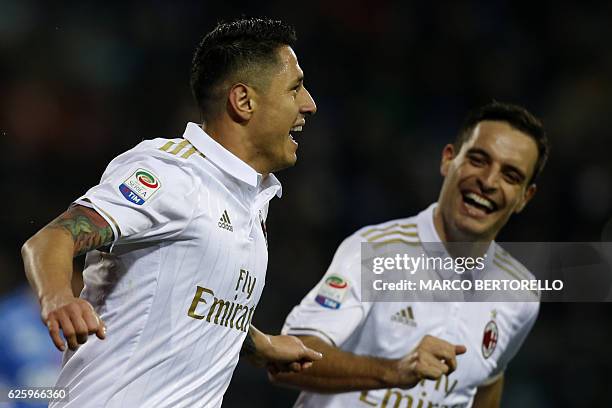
[489, 339]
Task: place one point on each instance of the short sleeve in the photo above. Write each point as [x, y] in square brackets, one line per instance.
[525, 324]
[144, 197]
[332, 310]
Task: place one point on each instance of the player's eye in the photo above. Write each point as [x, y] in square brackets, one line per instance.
[513, 177]
[477, 161]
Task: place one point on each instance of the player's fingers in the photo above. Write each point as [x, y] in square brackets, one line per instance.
[451, 364]
[91, 320]
[54, 333]
[441, 363]
[306, 365]
[433, 373]
[450, 360]
[80, 328]
[295, 367]
[436, 365]
[438, 347]
[95, 324]
[311, 355]
[101, 332]
[447, 355]
[68, 330]
[428, 371]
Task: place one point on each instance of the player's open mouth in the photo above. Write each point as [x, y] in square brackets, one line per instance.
[479, 202]
[295, 129]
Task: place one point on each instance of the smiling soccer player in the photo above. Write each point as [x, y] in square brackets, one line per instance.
[382, 354]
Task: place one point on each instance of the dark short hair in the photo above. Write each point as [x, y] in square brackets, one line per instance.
[238, 50]
[517, 117]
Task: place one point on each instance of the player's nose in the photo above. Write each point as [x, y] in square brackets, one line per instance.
[488, 181]
[308, 107]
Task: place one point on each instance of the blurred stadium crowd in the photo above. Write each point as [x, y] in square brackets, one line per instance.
[81, 83]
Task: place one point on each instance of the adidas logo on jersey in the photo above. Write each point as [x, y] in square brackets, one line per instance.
[404, 316]
[225, 222]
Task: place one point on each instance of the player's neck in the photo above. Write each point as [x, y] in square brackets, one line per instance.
[468, 245]
[233, 140]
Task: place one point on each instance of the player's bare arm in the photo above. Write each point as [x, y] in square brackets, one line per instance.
[86, 227]
[47, 258]
[341, 371]
[279, 353]
[489, 396]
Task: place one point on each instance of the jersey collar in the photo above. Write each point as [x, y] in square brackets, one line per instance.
[227, 161]
[425, 225]
[431, 240]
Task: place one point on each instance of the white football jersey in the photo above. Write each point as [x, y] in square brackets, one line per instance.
[179, 285]
[333, 311]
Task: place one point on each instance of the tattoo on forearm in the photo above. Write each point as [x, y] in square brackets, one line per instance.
[87, 228]
[248, 347]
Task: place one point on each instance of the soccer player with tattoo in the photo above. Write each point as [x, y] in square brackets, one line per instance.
[430, 354]
[175, 239]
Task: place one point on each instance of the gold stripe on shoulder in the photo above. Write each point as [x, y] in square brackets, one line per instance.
[396, 241]
[509, 271]
[514, 275]
[167, 146]
[176, 148]
[393, 232]
[189, 153]
[511, 264]
[397, 224]
[179, 147]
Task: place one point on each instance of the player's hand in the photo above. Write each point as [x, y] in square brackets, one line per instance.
[75, 317]
[430, 359]
[288, 354]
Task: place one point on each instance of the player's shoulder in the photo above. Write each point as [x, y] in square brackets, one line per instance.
[400, 230]
[349, 250]
[512, 268]
[504, 261]
[164, 155]
[175, 151]
[162, 163]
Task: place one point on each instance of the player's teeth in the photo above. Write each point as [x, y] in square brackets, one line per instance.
[480, 200]
[296, 129]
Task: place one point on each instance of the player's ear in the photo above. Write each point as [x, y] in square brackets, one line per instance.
[448, 154]
[240, 102]
[529, 193]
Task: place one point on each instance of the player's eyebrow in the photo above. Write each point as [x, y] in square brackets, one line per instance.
[478, 150]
